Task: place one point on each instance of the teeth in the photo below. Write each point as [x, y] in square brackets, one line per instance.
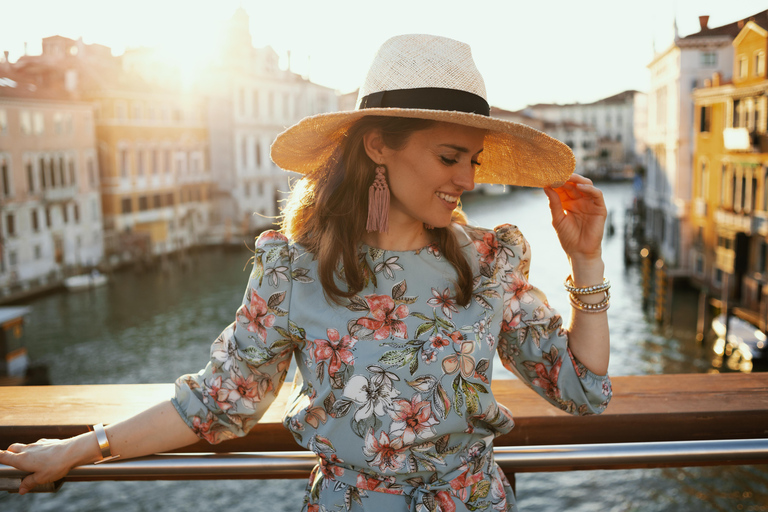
[450, 199]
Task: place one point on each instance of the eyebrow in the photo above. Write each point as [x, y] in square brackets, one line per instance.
[460, 149]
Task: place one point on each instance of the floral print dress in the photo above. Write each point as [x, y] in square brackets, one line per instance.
[393, 389]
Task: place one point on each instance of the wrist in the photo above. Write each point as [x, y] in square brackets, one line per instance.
[83, 449]
[587, 272]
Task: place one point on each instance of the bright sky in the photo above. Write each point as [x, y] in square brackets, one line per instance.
[545, 51]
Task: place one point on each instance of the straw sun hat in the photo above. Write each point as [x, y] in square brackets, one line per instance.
[431, 77]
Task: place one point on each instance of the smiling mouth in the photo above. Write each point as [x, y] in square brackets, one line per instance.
[446, 197]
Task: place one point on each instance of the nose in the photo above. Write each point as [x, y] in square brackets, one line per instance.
[465, 177]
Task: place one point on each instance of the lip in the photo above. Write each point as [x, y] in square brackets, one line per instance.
[451, 205]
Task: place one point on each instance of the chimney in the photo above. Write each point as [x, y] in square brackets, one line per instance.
[716, 77]
[703, 20]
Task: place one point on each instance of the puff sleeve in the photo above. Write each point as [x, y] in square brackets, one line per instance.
[533, 342]
[250, 358]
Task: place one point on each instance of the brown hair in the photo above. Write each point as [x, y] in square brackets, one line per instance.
[328, 209]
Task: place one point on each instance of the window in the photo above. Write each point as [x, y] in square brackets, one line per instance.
[244, 152]
[91, 172]
[5, 176]
[708, 59]
[42, 174]
[72, 173]
[38, 252]
[723, 184]
[143, 204]
[255, 105]
[759, 69]
[76, 208]
[38, 123]
[35, 223]
[742, 67]
[167, 163]
[48, 222]
[703, 177]
[257, 148]
[3, 122]
[139, 162]
[137, 114]
[62, 175]
[25, 122]
[10, 224]
[169, 199]
[124, 163]
[155, 162]
[65, 213]
[157, 201]
[705, 114]
[126, 205]
[58, 123]
[30, 177]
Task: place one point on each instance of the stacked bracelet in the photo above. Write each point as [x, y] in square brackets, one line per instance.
[103, 440]
[579, 304]
[586, 290]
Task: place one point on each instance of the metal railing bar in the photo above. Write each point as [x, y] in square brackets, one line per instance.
[510, 459]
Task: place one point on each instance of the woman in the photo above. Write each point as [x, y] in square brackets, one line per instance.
[392, 305]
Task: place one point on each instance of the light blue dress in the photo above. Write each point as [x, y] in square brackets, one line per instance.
[393, 389]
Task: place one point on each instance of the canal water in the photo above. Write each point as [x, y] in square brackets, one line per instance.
[151, 327]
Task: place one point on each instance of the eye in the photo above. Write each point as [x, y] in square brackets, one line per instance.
[448, 161]
[476, 164]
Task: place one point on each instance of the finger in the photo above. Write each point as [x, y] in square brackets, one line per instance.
[17, 448]
[555, 203]
[578, 178]
[29, 483]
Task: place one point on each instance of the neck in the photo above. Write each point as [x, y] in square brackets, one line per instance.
[400, 238]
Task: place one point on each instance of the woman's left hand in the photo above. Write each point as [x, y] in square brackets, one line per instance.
[578, 216]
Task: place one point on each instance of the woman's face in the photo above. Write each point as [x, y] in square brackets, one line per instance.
[428, 175]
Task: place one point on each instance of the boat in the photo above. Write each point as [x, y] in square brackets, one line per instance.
[85, 281]
[744, 341]
[15, 368]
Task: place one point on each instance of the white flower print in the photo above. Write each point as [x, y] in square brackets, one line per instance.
[374, 396]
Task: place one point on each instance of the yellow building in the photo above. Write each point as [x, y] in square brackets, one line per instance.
[729, 213]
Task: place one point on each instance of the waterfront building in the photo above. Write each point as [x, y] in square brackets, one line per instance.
[618, 123]
[729, 216]
[50, 207]
[152, 141]
[251, 99]
[667, 193]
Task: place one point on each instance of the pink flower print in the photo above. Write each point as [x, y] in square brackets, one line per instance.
[445, 501]
[387, 319]
[248, 391]
[429, 356]
[370, 483]
[434, 250]
[547, 380]
[412, 419]
[487, 247]
[439, 342]
[255, 315]
[385, 454]
[461, 360]
[272, 236]
[329, 466]
[203, 428]
[443, 300]
[335, 350]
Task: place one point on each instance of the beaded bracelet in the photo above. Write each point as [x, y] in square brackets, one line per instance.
[599, 307]
[586, 290]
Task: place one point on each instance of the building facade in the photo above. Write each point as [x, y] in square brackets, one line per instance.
[617, 123]
[729, 216]
[152, 144]
[667, 193]
[50, 207]
[250, 101]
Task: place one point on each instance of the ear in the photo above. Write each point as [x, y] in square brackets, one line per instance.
[374, 145]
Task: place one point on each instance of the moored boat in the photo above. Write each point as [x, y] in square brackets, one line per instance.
[743, 340]
[85, 281]
[15, 368]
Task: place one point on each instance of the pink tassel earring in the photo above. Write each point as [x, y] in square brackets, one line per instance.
[378, 202]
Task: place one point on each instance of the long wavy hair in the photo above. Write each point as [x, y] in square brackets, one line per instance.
[328, 209]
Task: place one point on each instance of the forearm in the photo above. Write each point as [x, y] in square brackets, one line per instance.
[588, 334]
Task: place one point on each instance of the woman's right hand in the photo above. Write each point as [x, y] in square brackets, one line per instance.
[49, 460]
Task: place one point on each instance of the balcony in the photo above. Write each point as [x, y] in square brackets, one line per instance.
[760, 223]
[700, 207]
[60, 194]
[742, 139]
[734, 221]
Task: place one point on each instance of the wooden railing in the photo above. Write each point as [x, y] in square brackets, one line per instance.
[644, 409]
